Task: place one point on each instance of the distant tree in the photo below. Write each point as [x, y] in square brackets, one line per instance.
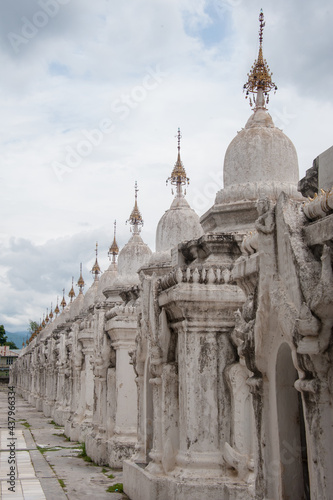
[11, 345]
[3, 336]
[4, 339]
[33, 325]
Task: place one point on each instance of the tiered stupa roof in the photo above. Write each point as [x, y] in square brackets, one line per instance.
[180, 222]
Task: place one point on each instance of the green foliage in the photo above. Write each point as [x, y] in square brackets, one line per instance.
[42, 450]
[118, 487]
[11, 345]
[3, 336]
[83, 454]
[62, 483]
[33, 325]
[4, 339]
[56, 426]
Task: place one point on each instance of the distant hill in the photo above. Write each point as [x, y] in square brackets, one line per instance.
[17, 337]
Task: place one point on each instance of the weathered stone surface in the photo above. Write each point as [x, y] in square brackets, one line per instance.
[308, 186]
[319, 232]
[208, 372]
[178, 224]
[325, 168]
[260, 152]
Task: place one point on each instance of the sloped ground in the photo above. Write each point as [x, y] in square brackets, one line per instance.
[47, 465]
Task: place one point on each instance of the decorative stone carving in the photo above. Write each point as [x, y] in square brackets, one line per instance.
[320, 206]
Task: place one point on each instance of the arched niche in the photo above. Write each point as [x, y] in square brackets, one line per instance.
[294, 479]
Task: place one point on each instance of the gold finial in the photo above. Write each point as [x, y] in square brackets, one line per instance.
[71, 294]
[63, 302]
[51, 313]
[43, 322]
[260, 77]
[178, 176]
[114, 249]
[80, 282]
[57, 310]
[135, 219]
[47, 316]
[96, 270]
[179, 136]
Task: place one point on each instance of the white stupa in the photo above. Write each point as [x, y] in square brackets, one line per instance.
[91, 293]
[110, 275]
[135, 253]
[261, 161]
[179, 223]
[77, 304]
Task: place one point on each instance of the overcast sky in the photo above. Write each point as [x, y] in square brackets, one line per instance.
[91, 96]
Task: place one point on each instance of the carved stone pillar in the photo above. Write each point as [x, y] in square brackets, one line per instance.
[87, 383]
[140, 456]
[76, 406]
[170, 412]
[97, 440]
[121, 328]
[199, 312]
[87, 350]
[155, 454]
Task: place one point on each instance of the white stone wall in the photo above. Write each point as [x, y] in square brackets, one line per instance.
[211, 376]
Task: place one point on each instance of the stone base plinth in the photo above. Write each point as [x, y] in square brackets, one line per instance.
[60, 415]
[47, 408]
[97, 448]
[39, 404]
[84, 431]
[120, 449]
[77, 431]
[139, 484]
[32, 399]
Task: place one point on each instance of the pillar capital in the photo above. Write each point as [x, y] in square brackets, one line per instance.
[205, 307]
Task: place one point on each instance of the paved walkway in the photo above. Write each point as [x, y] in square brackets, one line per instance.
[38, 462]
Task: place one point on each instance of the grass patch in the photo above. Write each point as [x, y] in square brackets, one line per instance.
[61, 434]
[62, 483]
[104, 471]
[26, 424]
[56, 425]
[44, 449]
[84, 455]
[118, 487]
[111, 476]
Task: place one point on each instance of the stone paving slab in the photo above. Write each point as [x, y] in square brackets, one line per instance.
[44, 458]
[24, 483]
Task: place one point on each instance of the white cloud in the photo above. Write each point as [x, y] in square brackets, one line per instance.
[91, 59]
